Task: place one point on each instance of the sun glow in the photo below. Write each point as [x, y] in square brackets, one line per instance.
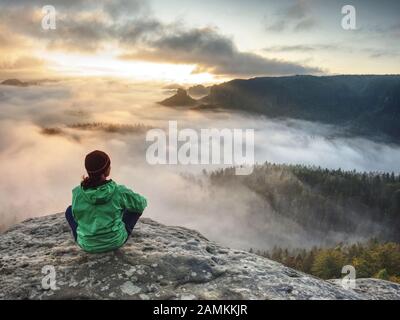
[104, 65]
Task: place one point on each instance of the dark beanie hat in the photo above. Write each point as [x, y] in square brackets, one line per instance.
[97, 162]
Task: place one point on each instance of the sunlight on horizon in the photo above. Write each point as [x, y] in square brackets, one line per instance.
[106, 65]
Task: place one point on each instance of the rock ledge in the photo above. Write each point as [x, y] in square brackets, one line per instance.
[158, 262]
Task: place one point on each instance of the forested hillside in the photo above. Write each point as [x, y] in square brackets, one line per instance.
[370, 260]
[322, 200]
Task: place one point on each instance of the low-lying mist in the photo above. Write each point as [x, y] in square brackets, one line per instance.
[39, 168]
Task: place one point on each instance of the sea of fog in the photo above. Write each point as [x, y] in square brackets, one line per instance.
[38, 171]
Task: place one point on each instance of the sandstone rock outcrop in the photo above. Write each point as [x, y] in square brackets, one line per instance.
[157, 262]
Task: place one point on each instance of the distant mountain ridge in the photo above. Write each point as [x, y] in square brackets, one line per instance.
[364, 104]
[14, 82]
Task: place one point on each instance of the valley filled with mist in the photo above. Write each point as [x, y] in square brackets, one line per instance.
[49, 126]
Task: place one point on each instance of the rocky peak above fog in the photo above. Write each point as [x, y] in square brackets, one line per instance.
[181, 98]
[158, 262]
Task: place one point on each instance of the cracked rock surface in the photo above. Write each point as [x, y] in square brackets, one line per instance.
[157, 262]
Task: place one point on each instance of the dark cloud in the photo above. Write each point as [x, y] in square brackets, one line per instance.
[127, 8]
[114, 8]
[298, 10]
[139, 30]
[305, 24]
[295, 48]
[80, 35]
[78, 30]
[301, 48]
[296, 17]
[214, 53]
[70, 4]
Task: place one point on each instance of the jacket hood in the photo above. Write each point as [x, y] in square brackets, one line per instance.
[101, 194]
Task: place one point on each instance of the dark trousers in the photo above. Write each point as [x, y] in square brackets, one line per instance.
[128, 218]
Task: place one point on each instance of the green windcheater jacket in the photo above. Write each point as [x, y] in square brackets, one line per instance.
[98, 213]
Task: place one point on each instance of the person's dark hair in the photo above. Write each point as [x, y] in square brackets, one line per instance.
[96, 163]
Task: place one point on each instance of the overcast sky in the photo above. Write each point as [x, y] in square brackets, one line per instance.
[198, 41]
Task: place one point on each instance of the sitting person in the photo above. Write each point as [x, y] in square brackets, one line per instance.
[103, 213]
